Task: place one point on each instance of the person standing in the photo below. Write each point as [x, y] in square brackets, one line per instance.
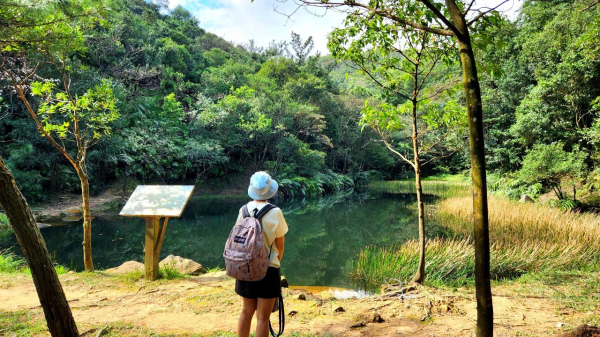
[259, 296]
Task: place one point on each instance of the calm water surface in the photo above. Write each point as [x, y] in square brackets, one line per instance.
[324, 235]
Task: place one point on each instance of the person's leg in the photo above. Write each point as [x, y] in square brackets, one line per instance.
[248, 309]
[263, 312]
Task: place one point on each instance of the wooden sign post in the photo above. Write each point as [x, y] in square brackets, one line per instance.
[156, 203]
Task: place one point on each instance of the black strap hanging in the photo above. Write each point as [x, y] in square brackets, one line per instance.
[281, 318]
[259, 214]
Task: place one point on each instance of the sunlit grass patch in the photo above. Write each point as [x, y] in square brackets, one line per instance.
[132, 276]
[10, 263]
[31, 323]
[527, 223]
[13, 264]
[525, 238]
[444, 189]
[22, 323]
[575, 290]
[169, 273]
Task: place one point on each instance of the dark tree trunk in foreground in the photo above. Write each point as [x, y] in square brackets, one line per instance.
[483, 292]
[53, 300]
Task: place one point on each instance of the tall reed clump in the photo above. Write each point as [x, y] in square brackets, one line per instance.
[577, 235]
[524, 238]
[444, 189]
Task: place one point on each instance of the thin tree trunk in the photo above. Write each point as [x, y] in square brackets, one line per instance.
[483, 291]
[419, 276]
[52, 298]
[87, 220]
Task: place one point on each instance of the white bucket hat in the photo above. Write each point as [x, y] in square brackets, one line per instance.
[262, 186]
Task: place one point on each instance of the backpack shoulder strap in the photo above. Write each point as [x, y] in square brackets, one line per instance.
[264, 211]
[245, 212]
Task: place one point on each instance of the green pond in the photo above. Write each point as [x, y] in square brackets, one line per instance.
[325, 234]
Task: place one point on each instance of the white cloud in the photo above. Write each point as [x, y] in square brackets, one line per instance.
[242, 20]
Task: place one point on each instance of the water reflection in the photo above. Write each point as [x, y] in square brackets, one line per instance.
[324, 234]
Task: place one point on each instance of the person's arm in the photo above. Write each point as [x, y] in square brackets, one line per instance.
[279, 243]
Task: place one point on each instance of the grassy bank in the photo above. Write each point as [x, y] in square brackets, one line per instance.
[525, 238]
[12, 264]
[440, 188]
[28, 323]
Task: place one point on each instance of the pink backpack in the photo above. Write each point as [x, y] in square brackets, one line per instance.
[245, 254]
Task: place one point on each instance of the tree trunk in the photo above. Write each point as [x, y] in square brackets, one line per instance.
[87, 220]
[52, 298]
[483, 291]
[419, 276]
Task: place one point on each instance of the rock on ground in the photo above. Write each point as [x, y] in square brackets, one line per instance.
[583, 330]
[183, 266]
[525, 199]
[125, 268]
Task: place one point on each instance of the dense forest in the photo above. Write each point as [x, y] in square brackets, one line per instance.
[192, 107]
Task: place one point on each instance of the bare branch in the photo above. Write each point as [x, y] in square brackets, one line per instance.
[387, 13]
[594, 3]
[438, 157]
[19, 88]
[482, 14]
[469, 7]
[381, 84]
[389, 146]
[441, 16]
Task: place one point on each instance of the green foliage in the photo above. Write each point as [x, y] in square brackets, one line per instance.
[541, 84]
[22, 323]
[451, 262]
[5, 228]
[550, 164]
[53, 26]
[84, 118]
[320, 183]
[12, 264]
[169, 273]
[513, 187]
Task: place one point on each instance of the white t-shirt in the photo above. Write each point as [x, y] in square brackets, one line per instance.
[273, 226]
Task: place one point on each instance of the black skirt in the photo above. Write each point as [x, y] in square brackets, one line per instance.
[268, 287]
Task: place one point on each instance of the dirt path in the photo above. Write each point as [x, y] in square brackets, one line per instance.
[207, 304]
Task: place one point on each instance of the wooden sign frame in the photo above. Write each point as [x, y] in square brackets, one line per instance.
[152, 203]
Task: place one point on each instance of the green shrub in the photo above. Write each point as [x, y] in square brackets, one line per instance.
[10, 263]
[169, 273]
[5, 228]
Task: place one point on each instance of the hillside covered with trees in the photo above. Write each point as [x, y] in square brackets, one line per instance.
[193, 107]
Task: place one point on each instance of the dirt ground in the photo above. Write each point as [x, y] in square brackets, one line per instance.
[208, 304]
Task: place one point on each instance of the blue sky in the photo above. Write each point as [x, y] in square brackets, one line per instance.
[241, 20]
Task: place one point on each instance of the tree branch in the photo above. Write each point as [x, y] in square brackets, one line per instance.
[441, 16]
[387, 13]
[482, 14]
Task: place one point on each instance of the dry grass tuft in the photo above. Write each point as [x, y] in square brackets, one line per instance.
[519, 225]
[524, 238]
